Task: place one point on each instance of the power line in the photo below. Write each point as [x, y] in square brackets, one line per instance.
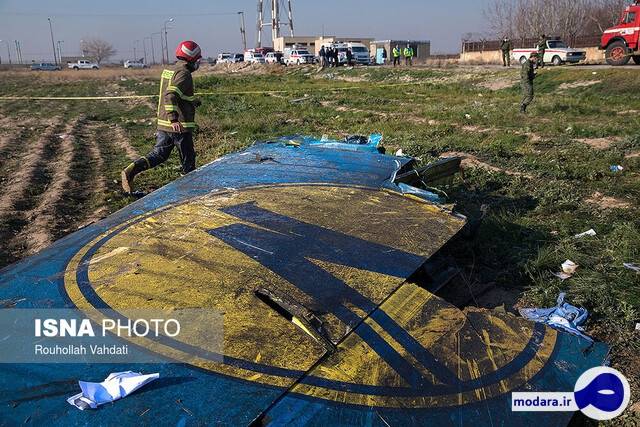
[109, 15]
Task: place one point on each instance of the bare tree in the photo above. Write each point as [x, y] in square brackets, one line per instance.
[100, 49]
[566, 18]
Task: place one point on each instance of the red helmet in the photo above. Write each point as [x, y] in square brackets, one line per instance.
[189, 51]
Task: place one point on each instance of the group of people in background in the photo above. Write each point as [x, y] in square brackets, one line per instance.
[408, 53]
[330, 57]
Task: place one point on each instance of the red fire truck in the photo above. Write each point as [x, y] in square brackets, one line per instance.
[621, 42]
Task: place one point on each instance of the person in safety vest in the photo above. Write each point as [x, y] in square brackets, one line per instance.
[408, 55]
[176, 116]
[396, 55]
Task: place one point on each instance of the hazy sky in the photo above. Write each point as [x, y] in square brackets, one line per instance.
[215, 26]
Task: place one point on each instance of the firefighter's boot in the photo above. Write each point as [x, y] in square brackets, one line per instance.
[129, 173]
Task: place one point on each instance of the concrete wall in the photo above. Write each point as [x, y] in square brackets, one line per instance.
[594, 56]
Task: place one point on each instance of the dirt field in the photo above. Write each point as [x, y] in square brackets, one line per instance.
[531, 182]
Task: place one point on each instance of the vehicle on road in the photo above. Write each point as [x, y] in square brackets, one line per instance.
[45, 66]
[620, 42]
[229, 58]
[557, 53]
[273, 58]
[83, 64]
[134, 64]
[223, 57]
[298, 57]
[253, 57]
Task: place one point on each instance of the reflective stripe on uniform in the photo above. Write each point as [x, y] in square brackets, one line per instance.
[175, 89]
[170, 107]
[184, 124]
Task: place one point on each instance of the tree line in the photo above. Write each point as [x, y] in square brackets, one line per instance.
[568, 19]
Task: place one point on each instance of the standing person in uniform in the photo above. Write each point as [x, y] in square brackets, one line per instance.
[542, 47]
[176, 116]
[408, 55]
[396, 56]
[527, 75]
[323, 57]
[506, 47]
[336, 57]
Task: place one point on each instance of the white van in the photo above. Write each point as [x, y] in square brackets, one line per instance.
[253, 57]
[360, 53]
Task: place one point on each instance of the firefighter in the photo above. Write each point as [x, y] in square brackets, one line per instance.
[542, 47]
[527, 75]
[396, 56]
[176, 114]
[505, 47]
[408, 55]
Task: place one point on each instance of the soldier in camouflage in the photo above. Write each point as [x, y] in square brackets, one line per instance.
[505, 47]
[527, 75]
[542, 48]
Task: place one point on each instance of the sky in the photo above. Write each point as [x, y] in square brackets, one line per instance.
[214, 24]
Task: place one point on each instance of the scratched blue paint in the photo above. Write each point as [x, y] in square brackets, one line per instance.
[188, 396]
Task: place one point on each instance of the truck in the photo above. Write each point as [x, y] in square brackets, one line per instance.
[620, 42]
[83, 64]
[360, 53]
[557, 53]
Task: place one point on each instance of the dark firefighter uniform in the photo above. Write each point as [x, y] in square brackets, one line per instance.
[177, 103]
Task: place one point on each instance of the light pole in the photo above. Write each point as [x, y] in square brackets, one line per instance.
[135, 56]
[53, 44]
[8, 50]
[166, 40]
[82, 48]
[153, 53]
[243, 31]
[144, 49]
[60, 42]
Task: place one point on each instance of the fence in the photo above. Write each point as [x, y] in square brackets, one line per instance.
[489, 45]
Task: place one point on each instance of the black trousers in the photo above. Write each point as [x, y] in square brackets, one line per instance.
[396, 60]
[164, 145]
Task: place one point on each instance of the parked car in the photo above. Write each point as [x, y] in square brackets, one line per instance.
[273, 58]
[557, 53]
[45, 66]
[298, 56]
[134, 64]
[253, 57]
[223, 58]
[83, 64]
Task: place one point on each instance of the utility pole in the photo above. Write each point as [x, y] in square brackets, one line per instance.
[166, 39]
[53, 44]
[243, 31]
[144, 49]
[152, 47]
[260, 23]
[153, 58]
[60, 49]
[135, 56]
[18, 57]
[291, 19]
[8, 50]
[275, 23]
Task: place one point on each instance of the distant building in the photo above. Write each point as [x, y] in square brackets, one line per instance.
[421, 48]
[314, 43]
